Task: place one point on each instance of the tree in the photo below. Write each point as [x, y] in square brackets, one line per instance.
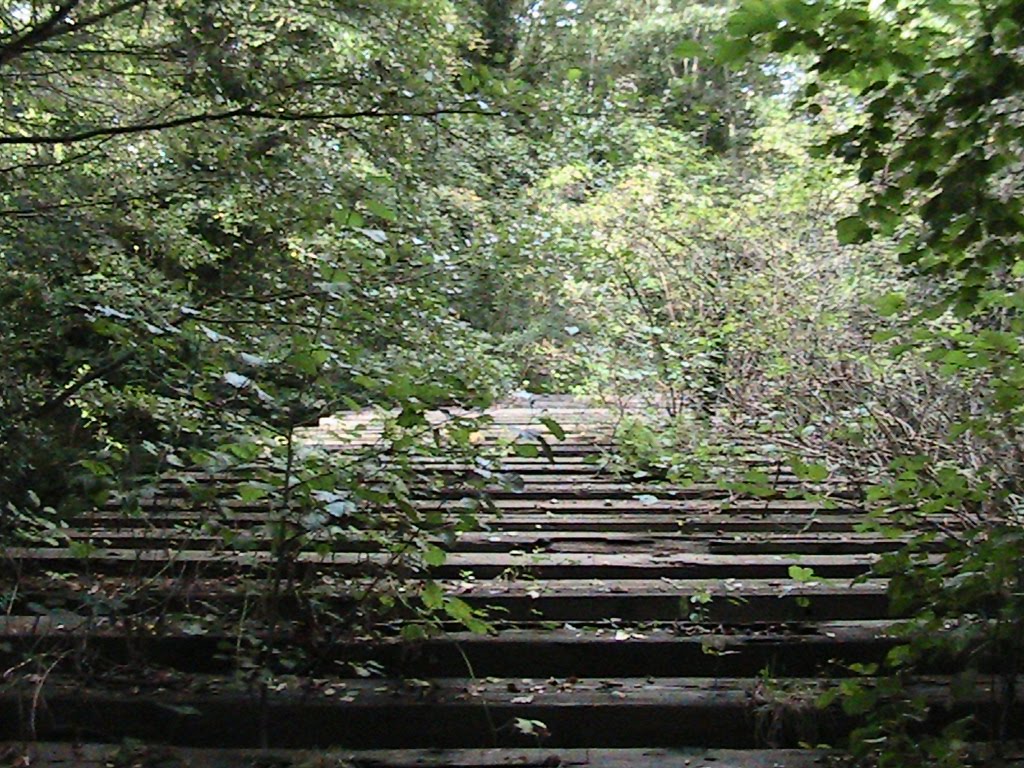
[191, 185]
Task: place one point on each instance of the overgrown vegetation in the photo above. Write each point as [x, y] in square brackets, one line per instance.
[935, 143]
[795, 221]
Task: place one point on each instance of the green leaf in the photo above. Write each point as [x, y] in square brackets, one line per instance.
[434, 556]
[380, 210]
[757, 477]
[553, 427]
[731, 50]
[97, 468]
[801, 574]
[251, 492]
[852, 230]
[816, 473]
[752, 18]
[105, 327]
[689, 49]
[899, 656]
[432, 596]
[346, 217]
[526, 450]
[890, 304]
[80, 549]
[573, 74]
[803, 12]
[309, 362]
[243, 451]
[413, 632]
[458, 610]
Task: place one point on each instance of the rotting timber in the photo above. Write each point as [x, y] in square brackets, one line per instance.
[636, 624]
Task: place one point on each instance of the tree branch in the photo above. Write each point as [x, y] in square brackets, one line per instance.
[37, 34]
[52, 28]
[254, 113]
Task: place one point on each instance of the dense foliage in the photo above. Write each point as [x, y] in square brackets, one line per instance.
[208, 220]
[935, 139]
[222, 221]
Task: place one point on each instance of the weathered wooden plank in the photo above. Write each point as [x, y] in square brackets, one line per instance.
[484, 565]
[52, 755]
[553, 477]
[646, 504]
[800, 649]
[731, 601]
[620, 712]
[625, 491]
[548, 506]
[724, 462]
[529, 541]
[596, 447]
[724, 524]
[500, 440]
[728, 601]
[642, 522]
[570, 487]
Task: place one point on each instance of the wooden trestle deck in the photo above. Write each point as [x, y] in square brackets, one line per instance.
[591, 579]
